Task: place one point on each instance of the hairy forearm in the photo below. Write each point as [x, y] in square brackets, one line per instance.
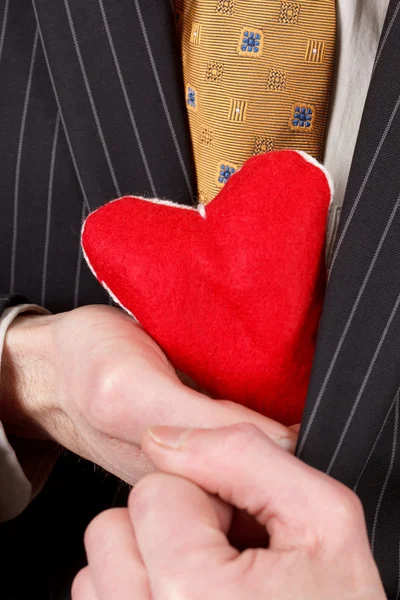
[25, 384]
[26, 379]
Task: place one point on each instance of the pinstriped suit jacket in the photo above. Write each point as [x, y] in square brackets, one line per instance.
[90, 109]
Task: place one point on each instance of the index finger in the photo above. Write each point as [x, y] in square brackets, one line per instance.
[297, 504]
[180, 535]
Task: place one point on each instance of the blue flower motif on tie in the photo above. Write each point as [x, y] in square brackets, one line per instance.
[251, 42]
[225, 172]
[303, 117]
[191, 98]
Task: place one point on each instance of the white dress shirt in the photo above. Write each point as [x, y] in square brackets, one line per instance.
[359, 27]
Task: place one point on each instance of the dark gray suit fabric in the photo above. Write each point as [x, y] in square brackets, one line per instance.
[91, 108]
[351, 423]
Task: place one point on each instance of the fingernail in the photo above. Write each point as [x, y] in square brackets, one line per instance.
[286, 443]
[170, 437]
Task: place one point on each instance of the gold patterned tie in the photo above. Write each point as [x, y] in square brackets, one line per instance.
[257, 78]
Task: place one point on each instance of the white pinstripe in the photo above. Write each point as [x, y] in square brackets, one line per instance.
[171, 2]
[346, 329]
[364, 384]
[363, 186]
[3, 26]
[127, 101]
[19, 158]
[71, 150]
[378, 149]
[163, 100]
[91, 99]
[388, 474]
[378, 437]
[86, 208]
[385, 38]
[49, 207]
[79, 262]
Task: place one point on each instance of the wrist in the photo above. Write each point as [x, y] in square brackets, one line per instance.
[27, 389]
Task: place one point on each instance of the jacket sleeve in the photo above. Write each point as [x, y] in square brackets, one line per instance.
[24, 464]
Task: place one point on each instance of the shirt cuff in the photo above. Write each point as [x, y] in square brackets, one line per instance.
[16, 484]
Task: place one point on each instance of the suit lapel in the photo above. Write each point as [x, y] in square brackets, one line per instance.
[115, 75]
[350, 425]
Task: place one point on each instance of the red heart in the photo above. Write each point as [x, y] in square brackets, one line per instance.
[232, 292]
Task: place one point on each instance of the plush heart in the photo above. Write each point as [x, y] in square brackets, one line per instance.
[233, 291]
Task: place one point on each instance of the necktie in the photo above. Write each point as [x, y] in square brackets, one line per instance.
[257, 78]
[351, 422]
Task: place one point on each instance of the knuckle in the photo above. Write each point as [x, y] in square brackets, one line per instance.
[312, 541]
[194, 588]
[79, 585]
[339, 520]
[345, 515]
[148, 491]
[348, 507]
[98, 529]
[241, 436]
[105, 404]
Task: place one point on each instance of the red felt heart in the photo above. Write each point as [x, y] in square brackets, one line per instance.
[232, 292]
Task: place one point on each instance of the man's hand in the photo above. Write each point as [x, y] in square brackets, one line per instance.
[93, 381]
[171, 544]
